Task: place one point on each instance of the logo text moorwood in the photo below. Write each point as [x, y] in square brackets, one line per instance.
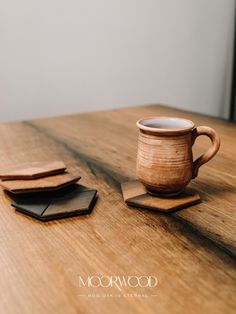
[118, 281]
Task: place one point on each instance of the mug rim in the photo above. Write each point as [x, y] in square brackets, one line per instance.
[165, 130]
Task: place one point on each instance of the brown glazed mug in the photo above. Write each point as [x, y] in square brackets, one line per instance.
[165, 161]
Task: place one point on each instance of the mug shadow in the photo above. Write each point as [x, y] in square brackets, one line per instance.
[211, 187]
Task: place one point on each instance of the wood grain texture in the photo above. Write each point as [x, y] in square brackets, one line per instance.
[192, 251]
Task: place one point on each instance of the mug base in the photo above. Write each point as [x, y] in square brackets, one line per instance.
[135, 194]
[164, 195]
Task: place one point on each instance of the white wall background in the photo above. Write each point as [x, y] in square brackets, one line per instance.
[66, 56]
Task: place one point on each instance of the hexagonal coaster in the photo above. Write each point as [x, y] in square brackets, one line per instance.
[135, 194]
[32, 170]
[71, 201]
[50, 183]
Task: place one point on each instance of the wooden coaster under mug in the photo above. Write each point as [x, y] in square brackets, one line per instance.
[135, 194]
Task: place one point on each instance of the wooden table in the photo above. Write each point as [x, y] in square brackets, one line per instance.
[192, 252]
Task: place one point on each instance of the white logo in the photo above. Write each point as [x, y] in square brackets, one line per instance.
[118, 281]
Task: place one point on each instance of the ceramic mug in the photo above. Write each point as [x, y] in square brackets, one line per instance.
[165, 161]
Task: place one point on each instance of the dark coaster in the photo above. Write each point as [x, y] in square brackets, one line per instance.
[33, 170]
[71, 201]
[135, 194]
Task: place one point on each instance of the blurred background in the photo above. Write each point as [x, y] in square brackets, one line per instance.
[60, 57]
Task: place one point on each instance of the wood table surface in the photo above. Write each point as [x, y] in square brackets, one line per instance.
[191, 252]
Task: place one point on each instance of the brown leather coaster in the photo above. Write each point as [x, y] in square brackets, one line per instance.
[32, 170]
[71, 201]
[42, 184]
[135, 194]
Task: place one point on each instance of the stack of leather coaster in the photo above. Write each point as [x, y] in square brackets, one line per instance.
[46, 190]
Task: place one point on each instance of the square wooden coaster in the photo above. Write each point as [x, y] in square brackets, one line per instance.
[71, 201]
[50, 183]
[135, 194]
[32, 170]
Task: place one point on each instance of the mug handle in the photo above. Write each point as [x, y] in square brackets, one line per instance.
[215, 139]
